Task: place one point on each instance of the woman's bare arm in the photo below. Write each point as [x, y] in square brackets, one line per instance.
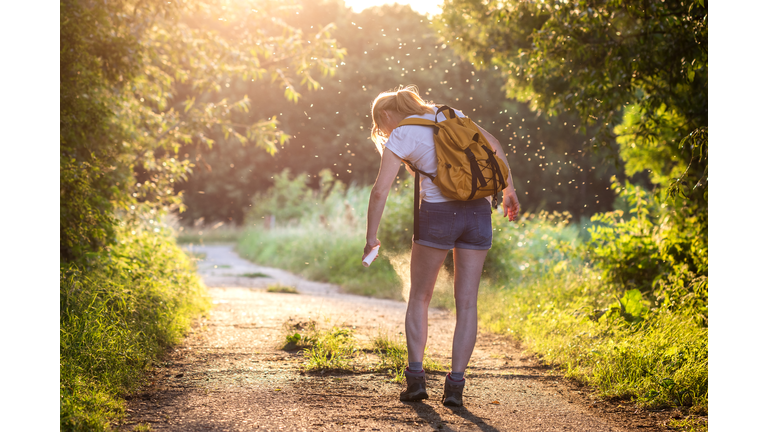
[390, 165]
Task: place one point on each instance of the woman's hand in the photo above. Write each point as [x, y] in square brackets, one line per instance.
[511, 204]
[369, 247]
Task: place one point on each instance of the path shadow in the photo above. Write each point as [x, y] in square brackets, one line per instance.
[466, 414]
[428, 414]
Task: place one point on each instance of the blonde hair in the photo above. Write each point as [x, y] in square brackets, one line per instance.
[404, 100]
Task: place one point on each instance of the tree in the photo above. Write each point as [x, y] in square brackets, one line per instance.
[387, 46]
[124, 68]
[635, 69]
[602, 59]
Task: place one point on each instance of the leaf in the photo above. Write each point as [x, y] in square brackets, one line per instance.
[188, 104]
[633, 303]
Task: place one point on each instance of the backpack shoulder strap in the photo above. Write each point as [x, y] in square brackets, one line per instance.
[420, 122]
[416, 121]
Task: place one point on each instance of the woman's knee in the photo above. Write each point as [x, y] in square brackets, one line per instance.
[421, 297]
[465, 303]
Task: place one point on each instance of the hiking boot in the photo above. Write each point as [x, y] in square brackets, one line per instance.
[452, 392]
[415, 386]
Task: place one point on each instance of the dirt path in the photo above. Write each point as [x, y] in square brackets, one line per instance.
[229, 374]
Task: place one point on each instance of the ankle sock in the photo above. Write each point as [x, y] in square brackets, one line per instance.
[456, 376]
[415, 366]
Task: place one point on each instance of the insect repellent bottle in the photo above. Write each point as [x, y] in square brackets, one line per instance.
[370, 257]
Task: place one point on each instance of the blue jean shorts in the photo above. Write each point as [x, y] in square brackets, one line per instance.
[456, 224]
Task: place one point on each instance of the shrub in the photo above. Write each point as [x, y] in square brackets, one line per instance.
[118, 315]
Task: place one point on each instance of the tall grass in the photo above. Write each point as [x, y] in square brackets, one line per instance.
[565, 318]
[117, 315]
[326, 242]
[539, 286]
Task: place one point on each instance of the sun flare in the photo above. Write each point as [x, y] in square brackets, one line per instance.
[429, 7]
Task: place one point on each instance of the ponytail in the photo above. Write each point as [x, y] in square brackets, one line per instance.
[404, 100]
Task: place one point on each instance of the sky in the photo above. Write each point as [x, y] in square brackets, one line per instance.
[430, 7]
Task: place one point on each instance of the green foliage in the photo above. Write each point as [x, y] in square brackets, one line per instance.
[393, 355]
[666, 261]
[324, 350]
[117, 315]
[287, 200]
[300, 335]
[332, 350]
[88, 156]
[648, 144]
[141, 79]
[396, 227]
[280, 288]
[636, 70]
[590, 57]
[337, 349]
[387, 46]
[254, 275]
[532, 246]
[655, 356]
[689, 424]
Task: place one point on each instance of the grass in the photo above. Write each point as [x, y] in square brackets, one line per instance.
[689, 424]
[279, 288]
[658, 362]
[321, 254]
[294, 339]
[332, 350]
[254, 275]
[337, 349]
[327, 244]
[393, 355]
[117, 316]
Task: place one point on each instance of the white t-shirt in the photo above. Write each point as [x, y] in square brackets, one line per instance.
[416, 144]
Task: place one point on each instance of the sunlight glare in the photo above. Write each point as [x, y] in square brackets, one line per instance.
[428, 7]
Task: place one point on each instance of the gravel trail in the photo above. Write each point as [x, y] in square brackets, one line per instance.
[230, 375]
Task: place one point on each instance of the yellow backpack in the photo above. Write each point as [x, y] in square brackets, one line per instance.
[467, 167]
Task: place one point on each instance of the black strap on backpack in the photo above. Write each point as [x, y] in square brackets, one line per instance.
[496, 169]
[417, 195]
[474, 167]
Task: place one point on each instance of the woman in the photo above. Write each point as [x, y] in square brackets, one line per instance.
[444, 224]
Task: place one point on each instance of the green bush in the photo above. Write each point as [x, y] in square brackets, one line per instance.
[655, 252]
[118, 315]
[530, 247]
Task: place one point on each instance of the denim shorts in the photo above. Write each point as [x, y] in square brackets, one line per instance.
[456, 224]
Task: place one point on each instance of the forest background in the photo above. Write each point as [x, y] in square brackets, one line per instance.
[145, 128]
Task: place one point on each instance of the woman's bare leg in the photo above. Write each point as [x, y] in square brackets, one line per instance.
[425, 265]
[468, 267]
